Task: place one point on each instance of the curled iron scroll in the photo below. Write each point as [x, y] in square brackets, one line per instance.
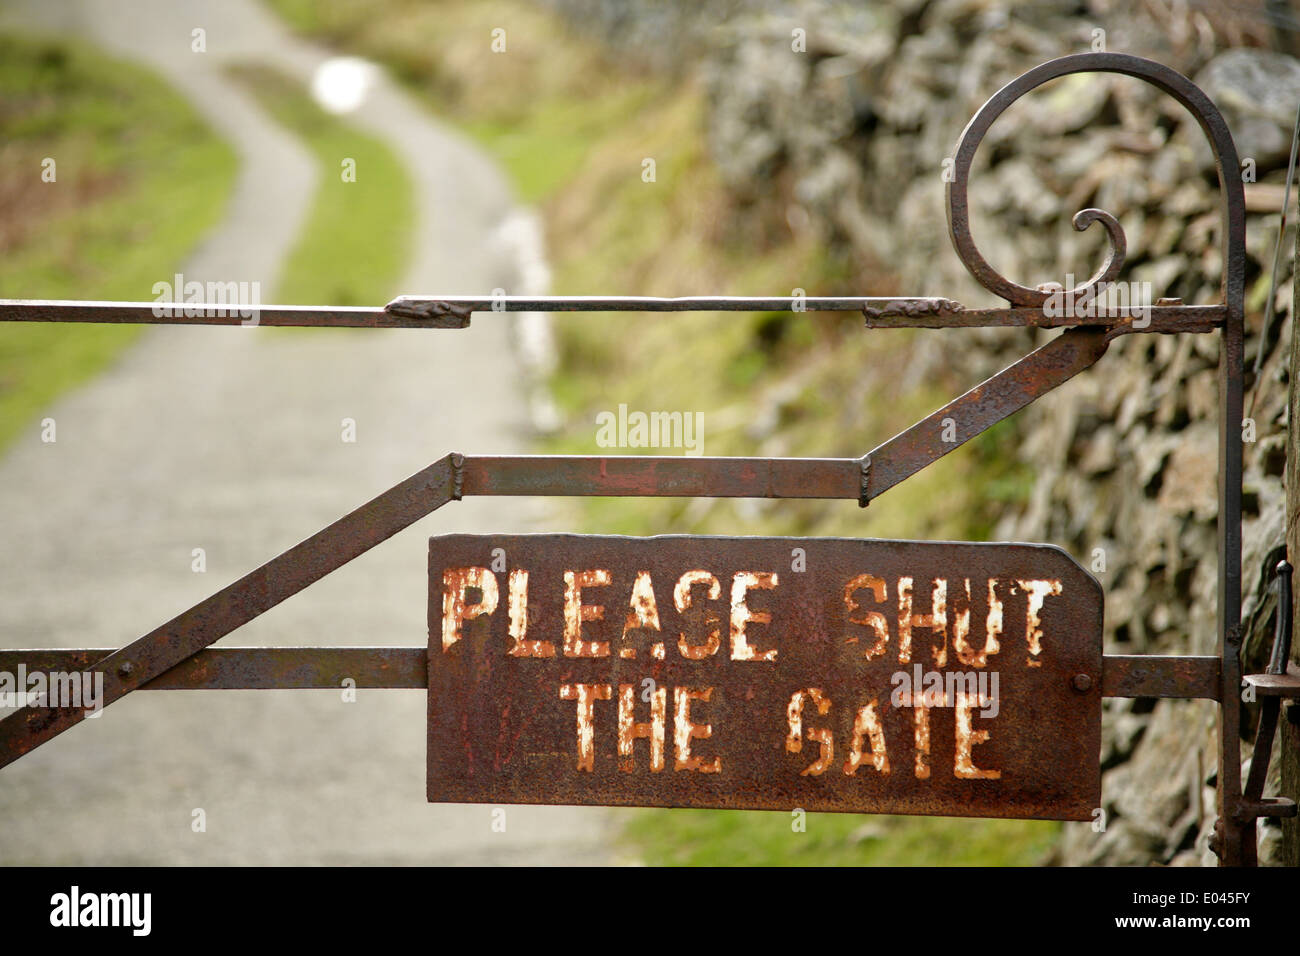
[1232, 233]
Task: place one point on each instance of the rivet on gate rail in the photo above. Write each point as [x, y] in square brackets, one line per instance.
[457, 475]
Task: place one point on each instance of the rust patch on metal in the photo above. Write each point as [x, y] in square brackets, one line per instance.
[888, 677]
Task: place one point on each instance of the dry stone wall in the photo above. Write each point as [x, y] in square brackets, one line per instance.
[849, 135]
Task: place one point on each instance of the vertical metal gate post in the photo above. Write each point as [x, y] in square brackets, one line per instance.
[1235, 819]
[1289, 727]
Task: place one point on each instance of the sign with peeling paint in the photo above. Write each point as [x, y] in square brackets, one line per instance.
[867, 676]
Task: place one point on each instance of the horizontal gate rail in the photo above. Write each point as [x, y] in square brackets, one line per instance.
[412, 312]
[213, 313]
[405, 668]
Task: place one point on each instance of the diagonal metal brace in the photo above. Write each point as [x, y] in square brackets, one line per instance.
[984, 406]
[235, 605]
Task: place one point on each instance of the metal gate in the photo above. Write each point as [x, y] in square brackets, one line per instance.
[178, 653]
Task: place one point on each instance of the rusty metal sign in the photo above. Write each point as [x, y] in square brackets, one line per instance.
[764, 673]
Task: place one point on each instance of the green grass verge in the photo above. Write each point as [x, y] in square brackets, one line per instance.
[751, 838]
[138, 179]
[355, 245]
[572, 129]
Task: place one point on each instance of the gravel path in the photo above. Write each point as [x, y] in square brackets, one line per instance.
[230, 440]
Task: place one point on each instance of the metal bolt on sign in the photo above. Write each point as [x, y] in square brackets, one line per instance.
[700, 671]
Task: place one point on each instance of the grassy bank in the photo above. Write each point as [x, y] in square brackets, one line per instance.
[137, 180]
[748, 838]
[574, 129]
[355, 244]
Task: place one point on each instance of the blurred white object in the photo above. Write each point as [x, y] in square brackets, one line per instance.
[521, 239]
[341, 83]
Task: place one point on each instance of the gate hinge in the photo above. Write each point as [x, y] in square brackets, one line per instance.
[1279, 682]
